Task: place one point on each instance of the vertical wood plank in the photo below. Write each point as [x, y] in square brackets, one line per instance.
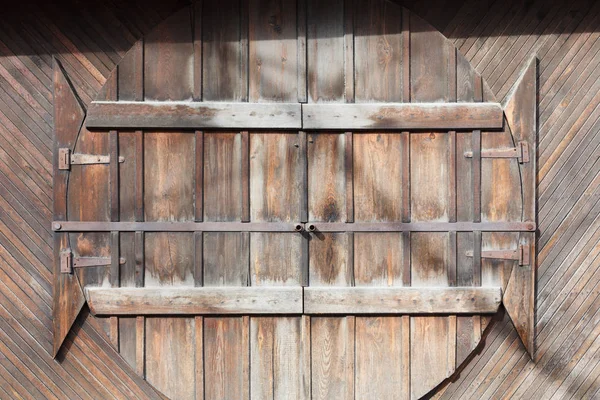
[114, 332]
[170, 360]
[325, 51]
[406, 89]
[199, 197]
[130, 274]
[131, 74]
[140, 327]
[223, 174]
[197, 40]
[224, 358]
[169, 257]
[332, 356]
[169, 59]
[301, 51]
[467, 336]
[430, 337]
[327, 193]
[274, 51]
[244, 50]
[306, 358]
[378, 177]
[405, 391]
[329, 266]
[275, 259]
[221, 51]
[226, 260]
[245, 357]
[378, 51]
[349, 51]
[379, 359]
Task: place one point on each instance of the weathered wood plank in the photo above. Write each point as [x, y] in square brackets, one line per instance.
[170, 345]
[221, 51]
[405, 300]
[402, 116]
[194, 115]
[166, 49]
[276, 355]
[325, 51]
[223, 173]
[224, 359]
[273, 45]
[521, 114]
[379, 360]
[378, 186]
[430, 336]
[332, 366]
[68, 117]
[378, 55]
[197, 300]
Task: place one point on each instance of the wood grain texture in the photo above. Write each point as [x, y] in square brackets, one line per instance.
[194, 115]
[206, 300]
[169, 60]
[273, 48]
[402, 116]
[562, 34]
[221, 50]
[325, 51]
[386, 300]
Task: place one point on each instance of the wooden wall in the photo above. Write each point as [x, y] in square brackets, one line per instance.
[496, 36]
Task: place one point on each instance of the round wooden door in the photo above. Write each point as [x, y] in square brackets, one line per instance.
[311, 199]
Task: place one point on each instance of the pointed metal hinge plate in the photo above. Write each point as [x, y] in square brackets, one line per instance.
[521, 153]
[68, 262]
[521, 255]
[66, 159]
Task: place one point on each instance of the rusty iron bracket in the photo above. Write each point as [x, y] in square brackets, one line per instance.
[521, 152]
[66, 159]
[68, 262]
[521, 254]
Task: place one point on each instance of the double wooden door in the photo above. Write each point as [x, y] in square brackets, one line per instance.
[295, 200]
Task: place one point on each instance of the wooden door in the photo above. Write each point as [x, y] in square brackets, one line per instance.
[311, 199]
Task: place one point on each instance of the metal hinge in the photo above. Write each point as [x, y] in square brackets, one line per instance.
[521, 254]
[66, 159]
[68, 262]
[521, 152]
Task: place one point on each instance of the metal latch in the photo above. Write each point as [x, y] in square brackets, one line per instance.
[521, 255]
[68, 262]
[521, 152]
[66, 159]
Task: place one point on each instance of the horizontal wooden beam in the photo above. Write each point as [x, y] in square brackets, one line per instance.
[194, 300]
[193, 115]
[350, 117]
[100, 226]
[401, 300]
[403, 116]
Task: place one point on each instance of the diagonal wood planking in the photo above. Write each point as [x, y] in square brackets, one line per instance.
[497, 37]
